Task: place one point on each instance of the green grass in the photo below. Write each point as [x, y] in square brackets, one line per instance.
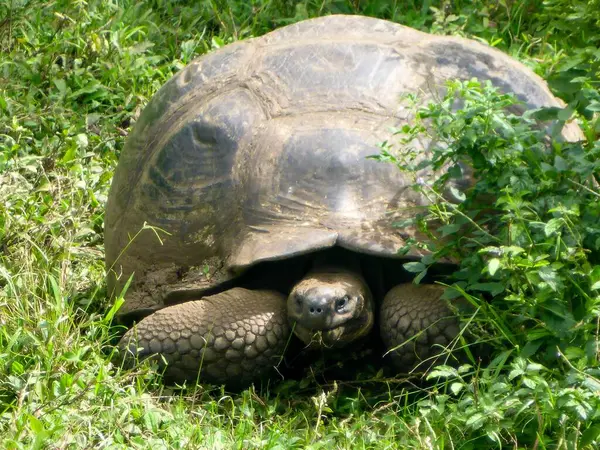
[74, 76]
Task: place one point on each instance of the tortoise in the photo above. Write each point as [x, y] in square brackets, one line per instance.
[247, 213]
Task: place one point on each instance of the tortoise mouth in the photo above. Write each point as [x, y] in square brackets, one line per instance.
[337, 337]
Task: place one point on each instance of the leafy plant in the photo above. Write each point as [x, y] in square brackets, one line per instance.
[527, 236]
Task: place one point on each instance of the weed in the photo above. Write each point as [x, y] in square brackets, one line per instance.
[527, 235]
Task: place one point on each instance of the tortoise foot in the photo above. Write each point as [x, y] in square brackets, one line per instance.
[415, 325]
[230, 338]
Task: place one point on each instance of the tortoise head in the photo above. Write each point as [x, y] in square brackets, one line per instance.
[330, 308]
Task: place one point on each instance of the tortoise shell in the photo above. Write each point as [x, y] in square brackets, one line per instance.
[258, 151]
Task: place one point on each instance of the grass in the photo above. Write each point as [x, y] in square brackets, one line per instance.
[74, 76]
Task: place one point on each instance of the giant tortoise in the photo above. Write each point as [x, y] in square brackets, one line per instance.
[246, 213]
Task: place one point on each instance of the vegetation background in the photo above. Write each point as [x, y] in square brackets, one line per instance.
[74, 76]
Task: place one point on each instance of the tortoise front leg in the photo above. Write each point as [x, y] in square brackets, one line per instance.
[229, 338]
[410, 310]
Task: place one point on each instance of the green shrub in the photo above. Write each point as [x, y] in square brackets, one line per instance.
[527, 235]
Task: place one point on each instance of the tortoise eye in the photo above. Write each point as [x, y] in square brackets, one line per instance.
[341, 303]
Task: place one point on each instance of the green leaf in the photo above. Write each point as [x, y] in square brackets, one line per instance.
[451, 294]
[92, 119]
[449, 229]
[35, 424]
[456, 194]
[70, 155]
[531, 384]
[475, 421]
[545, 114]
[595, 278]
[594, 106]
[515, 373]
[404, 223]
[560, 164]
[217, 42]
[456, 387]
[573, 353]
[443, 372]
[513, 250]
[414, 266]
[61, 85]
[464, 368]
[82, 140]
[41, 434]
[492, 288]
[493, 266]
[534, 367]
[565, 114]
[591, 435]
[581, 410]
[553, 226]
[530, 348]
[550, 277]
[592, 384]
[419, 277]
[91, 88]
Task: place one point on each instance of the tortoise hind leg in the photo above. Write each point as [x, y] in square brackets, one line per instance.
[229, 338]
[410, 310]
